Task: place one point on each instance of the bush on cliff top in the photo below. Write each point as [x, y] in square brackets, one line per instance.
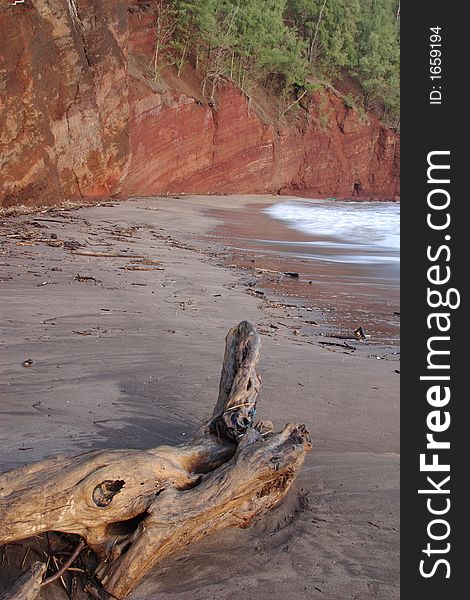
[281, 42]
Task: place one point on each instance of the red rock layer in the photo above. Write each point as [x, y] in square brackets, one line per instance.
[82, 117]
[64, 115]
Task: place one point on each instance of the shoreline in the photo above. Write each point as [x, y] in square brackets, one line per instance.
[28, 209]
[265, 248]
[105, 351]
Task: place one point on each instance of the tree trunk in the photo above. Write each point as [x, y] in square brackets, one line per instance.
[182, 59]
[311, 53]
[229, 473]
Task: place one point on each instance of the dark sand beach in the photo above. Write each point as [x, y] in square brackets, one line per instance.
[131, 358]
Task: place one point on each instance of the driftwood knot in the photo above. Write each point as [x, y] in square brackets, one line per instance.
[106, 490]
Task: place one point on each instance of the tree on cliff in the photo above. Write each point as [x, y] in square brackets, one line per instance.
[165, 26]
[330, 29]
[280, 42]
[267, 47]
[379, 58]
[239, 39]
[361, 36]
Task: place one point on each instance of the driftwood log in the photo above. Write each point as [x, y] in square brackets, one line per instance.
[28, 584]
[135, 507]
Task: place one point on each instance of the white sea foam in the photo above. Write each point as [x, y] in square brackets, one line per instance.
[357, 223]
[360, 232]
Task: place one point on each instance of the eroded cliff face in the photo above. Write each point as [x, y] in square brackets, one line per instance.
[64, 120]
[82, 117]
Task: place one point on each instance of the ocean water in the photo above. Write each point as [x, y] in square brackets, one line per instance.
[361, 233]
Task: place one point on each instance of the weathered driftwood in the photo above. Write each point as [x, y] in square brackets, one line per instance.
[252, 482]
[134, 507]
[28, 584]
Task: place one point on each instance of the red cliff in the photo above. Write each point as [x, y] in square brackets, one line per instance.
[81, 118]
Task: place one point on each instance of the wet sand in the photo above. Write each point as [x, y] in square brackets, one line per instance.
[105, 352]
[345, 295]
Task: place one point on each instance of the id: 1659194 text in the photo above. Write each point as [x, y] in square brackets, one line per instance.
[435, 65]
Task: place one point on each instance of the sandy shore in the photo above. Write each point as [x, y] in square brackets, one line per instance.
[344, 295]
[106, 341]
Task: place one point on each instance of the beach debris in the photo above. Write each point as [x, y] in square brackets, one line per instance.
[262, 271]
[38, 220]
[127, 232]
[343, 345]
[277, 304]
[27, 548]
[28, 362]
[292, 274]
[359, 333]
[148, 261]
[81, 278]
[101, 254]
[185, 304]
[44, 283]
[31, 237]
[72, 245]
[60, 571]
[134, 508]
[141, 268]
[254, 292]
